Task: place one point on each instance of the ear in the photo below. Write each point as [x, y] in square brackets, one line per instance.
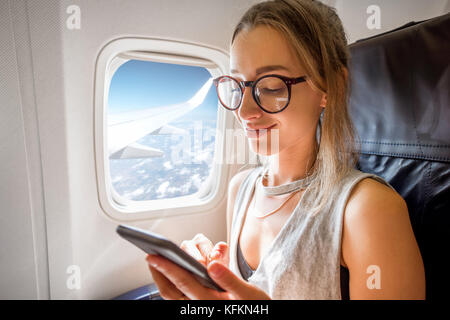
[323, 102]
[345, 71]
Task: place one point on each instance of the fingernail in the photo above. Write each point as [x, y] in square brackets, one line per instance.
[215, 254]
[151, 261]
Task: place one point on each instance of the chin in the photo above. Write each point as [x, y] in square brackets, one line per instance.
[266, 144]
[261, 147]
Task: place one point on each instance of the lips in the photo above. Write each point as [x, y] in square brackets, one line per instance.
[254, 128]
[257, 132]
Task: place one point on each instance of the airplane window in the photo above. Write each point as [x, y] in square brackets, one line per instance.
[161, 123]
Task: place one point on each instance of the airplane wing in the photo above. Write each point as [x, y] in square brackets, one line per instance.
[126, 128]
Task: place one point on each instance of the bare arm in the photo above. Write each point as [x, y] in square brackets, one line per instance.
[379, 247]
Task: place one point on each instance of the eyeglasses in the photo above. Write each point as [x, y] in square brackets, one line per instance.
[271, 92]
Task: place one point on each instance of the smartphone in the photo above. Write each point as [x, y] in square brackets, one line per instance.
[153, 243]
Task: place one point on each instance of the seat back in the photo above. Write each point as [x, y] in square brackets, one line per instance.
[399, 103]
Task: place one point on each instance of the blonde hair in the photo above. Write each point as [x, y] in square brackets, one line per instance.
[317, 36]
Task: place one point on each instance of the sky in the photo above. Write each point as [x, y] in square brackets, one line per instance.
[143, 84]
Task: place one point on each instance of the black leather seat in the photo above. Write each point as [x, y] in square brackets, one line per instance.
[399, 104]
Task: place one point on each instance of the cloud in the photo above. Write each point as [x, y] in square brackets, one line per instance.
[162, 188]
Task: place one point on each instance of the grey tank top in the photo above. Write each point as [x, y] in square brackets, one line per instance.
[304, 259]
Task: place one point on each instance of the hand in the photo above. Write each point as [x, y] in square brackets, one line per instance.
[202, 249]
[176, 283]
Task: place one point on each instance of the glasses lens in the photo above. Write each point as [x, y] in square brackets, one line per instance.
[272, 93]
[229, 93]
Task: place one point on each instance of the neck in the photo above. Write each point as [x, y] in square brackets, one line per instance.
[292, 163]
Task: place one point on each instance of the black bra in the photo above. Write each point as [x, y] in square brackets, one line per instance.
[244, 268]
[247, 272]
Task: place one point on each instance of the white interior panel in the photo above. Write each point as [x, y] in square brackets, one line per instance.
[17, 266]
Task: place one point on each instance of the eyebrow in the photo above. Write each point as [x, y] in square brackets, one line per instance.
[265, 69]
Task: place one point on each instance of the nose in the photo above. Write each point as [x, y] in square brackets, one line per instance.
[248, 108]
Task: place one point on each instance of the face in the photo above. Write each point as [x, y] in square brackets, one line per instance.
[262, 51]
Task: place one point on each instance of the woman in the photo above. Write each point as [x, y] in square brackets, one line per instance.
[307, 224]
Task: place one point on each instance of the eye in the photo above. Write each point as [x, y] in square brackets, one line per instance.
[268, 89]
[271, 90]
[271, 86]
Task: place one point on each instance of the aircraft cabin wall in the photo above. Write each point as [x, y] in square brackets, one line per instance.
[53, 223]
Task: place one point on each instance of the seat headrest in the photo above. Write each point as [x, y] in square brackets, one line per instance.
[400, 91]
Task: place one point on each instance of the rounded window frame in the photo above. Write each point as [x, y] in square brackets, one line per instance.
[111, 203]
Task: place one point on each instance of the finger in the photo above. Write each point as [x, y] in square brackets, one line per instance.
[203, 244]
[231, 283]
[182, 279]
[190, 247]
[220, 253]
[167, 290]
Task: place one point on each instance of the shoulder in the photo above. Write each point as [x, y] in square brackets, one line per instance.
[233, 188]
[234, 185]
[371, 205]
[237, 180]
[370, 195]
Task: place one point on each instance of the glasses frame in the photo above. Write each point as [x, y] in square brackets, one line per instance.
[244, 84]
